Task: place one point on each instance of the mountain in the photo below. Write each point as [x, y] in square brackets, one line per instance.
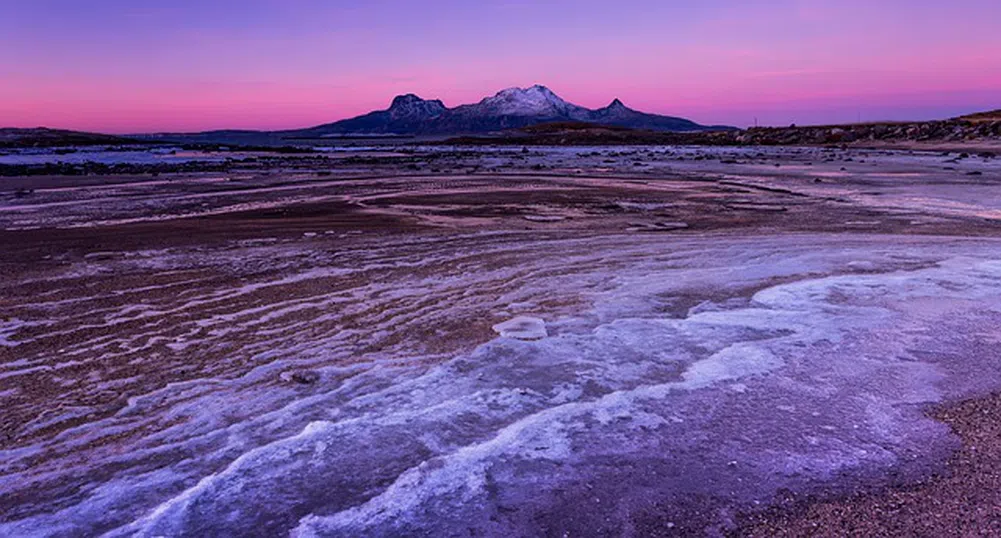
[619, 115]
[537, 101]
[38, 137]
[508, 109]
[407, 114]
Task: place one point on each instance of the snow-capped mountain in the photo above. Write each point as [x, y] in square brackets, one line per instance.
[510, 108]
[535, 101]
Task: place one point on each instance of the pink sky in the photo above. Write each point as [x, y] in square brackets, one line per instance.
[113, 67]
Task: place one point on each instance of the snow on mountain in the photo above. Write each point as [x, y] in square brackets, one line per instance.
[534, 101]
[507, 109]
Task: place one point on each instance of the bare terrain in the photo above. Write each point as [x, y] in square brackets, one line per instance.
[498, 341]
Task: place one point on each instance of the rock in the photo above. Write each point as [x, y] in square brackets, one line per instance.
[671, 225]
[302, 377]
[657, 227]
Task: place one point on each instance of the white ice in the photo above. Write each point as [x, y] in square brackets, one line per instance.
[677, 366]
[522, 328]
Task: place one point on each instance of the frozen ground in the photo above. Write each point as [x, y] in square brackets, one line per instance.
[410, 355]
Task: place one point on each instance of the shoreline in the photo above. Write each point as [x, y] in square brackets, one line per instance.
[961, 500]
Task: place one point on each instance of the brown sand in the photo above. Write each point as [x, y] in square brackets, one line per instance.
[965, 500]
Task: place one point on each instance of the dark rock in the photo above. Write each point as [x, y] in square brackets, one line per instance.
[302, 377]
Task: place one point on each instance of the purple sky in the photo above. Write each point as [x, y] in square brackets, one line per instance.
[129, 66]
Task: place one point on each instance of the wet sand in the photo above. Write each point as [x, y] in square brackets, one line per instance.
[175, 348]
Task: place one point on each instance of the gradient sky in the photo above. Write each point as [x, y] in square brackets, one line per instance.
[121, 66]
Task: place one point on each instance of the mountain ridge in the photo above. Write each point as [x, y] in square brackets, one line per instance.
[511, 108]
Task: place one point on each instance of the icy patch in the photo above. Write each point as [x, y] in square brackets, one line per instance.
[544, 218]
[796, 376]
[735, 362]
[522, 328]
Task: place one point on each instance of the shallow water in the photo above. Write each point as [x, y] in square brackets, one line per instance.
[109, 157]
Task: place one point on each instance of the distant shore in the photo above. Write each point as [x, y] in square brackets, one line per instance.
[976, 132]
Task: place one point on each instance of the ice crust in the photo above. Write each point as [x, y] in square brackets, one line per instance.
[522, 328]
[796, 366]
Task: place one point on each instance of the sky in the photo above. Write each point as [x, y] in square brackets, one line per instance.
[122, 66]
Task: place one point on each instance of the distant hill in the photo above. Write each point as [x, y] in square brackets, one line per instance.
[508, 109]
[41, 137]
[991, 116]
[579, 133]
[953, 133]
[535, 115]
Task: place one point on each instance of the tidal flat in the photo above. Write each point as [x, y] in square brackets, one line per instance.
[492, 341]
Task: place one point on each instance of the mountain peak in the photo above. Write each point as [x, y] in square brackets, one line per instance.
[535, 89]
[536, 100]
[618, 112]
[408, 99]
[510, 108]
[412, 105]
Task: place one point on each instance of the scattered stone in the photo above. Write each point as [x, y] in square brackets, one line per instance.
[302, 377]
[671, 225]
[657, 227]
